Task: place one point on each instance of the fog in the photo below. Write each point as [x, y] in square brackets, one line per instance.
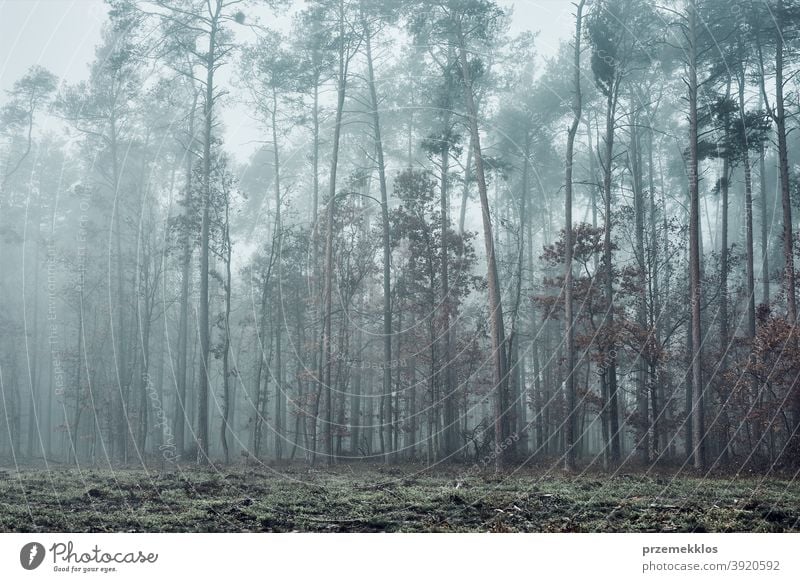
[456, 231]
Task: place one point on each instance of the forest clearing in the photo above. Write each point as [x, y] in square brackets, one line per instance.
[407, 498]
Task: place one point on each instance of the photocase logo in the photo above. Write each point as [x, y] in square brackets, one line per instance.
[31, 555]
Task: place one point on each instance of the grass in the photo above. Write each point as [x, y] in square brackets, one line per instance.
[389, 499]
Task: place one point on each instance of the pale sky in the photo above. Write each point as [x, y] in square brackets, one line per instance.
[61, 35]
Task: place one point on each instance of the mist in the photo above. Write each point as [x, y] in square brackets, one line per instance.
[462, 238]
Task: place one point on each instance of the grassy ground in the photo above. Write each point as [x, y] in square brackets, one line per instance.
[393, 499]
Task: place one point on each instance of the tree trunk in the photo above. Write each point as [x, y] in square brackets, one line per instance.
[783, 160]
[610, 351]
[208, 109]
[121, 354]
[34, 430]
[180, 416]
[750, 292]
[570, 453]
[387, 257]
[698, 396]
[226, 348]
[765, 224]
[279, 385]
[724, 330]
[328, 290]
[495, 301]
[644, 444]
[462, 215]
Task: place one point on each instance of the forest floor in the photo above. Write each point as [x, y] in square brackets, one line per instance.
[358, 498]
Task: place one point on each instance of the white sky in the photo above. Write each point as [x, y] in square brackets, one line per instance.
[61, 35]
[57, 34]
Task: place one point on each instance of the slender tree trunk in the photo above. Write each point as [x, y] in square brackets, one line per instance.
[314, 286]
[610, 350]
[658, 388]
[786, 202]
[570, 453]
[750, 292]
[328, 290]
[783, 160]
[593, 187]
[698, 393]
[261, 354]
[387, 257]
[445, 371]
[315, 160]
[279, 385]
[144, 408]
[208, 110]
[462, 215]
[765, 224]
[180, 415]
[226, 348]
[645, 443]
[121, 355]
[495, 302]
[724, 328]
[355, 404]
[34, 431]
[74, 440]
[516, 362]
[262, 395]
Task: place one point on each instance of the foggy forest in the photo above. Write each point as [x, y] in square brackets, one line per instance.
[515, 289]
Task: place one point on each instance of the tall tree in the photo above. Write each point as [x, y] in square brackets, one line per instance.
[471, 27]
[104, 111]
[201, 29]
[783, 22]
[347, 46]
[569, 457]
[695, 285]
[385, 229]
[614, 49]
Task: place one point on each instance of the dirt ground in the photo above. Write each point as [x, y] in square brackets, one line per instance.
[389, 499]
